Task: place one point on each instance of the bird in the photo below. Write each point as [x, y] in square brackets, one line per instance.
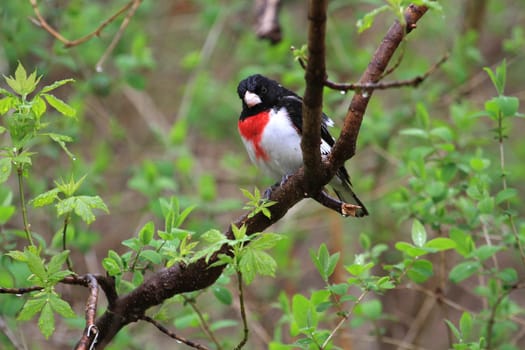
[270, 126]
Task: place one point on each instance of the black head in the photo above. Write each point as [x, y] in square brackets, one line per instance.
[258, 92]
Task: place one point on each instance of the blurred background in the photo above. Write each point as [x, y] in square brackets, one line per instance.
[159, 119]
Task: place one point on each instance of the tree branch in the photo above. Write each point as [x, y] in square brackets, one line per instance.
[315, 76]
[267, 26]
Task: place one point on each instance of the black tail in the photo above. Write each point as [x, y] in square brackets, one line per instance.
[343, 189]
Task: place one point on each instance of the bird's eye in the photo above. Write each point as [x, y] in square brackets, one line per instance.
[263, 90]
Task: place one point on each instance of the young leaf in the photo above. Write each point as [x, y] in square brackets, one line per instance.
[146, 233]
[60, 105]
[464, 270]
[5, 169]
[222, 294]
[61, 307]
[55, 85]
[45, 198]
[31, 308]
[46, 321]
[419, 234]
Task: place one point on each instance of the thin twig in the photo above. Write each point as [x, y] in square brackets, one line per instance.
[203, 322]
[19, 291]
[171, 334]
[344, 318]
[118, 35]
[414, 82]
[70, 43]
[344, 209]
[243, 313]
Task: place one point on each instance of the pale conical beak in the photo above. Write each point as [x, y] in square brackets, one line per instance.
[251, 99]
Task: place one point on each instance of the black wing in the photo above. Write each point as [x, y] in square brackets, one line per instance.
[294, 106]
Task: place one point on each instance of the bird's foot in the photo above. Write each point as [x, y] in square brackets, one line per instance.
[269, 190]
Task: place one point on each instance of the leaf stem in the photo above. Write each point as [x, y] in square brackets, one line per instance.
[243, 312]
[64, 240]
[20, 173]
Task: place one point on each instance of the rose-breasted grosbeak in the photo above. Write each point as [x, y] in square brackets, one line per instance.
[270, 125]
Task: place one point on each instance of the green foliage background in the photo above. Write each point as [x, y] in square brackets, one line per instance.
[160, 121]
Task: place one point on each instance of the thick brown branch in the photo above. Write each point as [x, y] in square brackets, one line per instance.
[90, 334]
[313, 96]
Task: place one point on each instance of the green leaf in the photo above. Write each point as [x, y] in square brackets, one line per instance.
[36, 265]
[508, 275]
[60, 105]
[55, 85]
[222, 294]
[371, 309]
[61, 307]
[7, 103]
[410, 250]
[266, 241]
[111, 266]
[38, 106]
[45, 198]
[151, 256]
[368, 19]
[420, 271]
[440, 243]
[31, 308]
[506, 195]
[146, 233]
[454, 330]
[464, 270]
[414, 132]
[61, 140]
[5, 169]
[46, 321]
[256, 262]
[486, 251]
[57, 261]
[465, 325]
[419, 234]
[304, 313]
[499, 77]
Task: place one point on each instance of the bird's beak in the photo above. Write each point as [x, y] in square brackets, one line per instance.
[251, 99]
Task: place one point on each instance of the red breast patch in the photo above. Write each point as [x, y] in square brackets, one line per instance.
[251, 129]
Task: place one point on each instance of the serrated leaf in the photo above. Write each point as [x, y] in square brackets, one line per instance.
[266, 241]
[5, 169]
[61, 140]
[38, 106]
[60, 105]
[151, 256]
[36, 265]
[419, 234]
[45, 198]
[7, 103]
[46, 321]
[61, 307]
[256, 262]
[57, 261]
[31, 308]
[55, 85]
